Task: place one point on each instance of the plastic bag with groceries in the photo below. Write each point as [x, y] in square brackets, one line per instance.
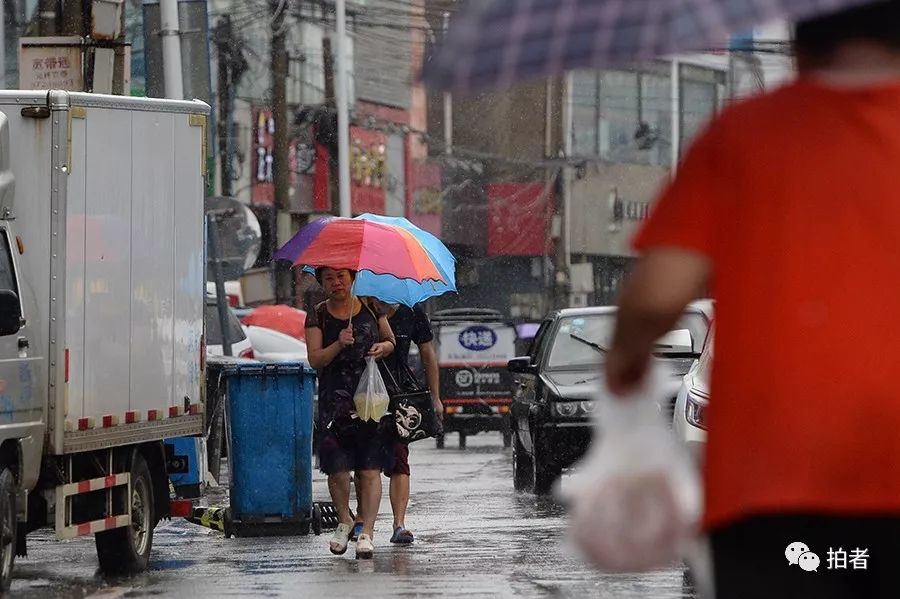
[636, 497]
[371, 398]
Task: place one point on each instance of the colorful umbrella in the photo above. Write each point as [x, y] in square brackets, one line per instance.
[406, 291]
[495, 43]
[361, 245]
[281, 318]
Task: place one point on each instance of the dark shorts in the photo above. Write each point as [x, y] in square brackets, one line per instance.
[857, 557]
[398, 462]
[360, 447]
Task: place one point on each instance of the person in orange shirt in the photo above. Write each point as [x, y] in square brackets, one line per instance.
[788, 208]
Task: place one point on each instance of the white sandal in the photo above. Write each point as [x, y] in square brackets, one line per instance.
[364, 547]
[340, 539]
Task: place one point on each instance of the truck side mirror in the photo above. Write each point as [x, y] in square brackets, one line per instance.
[10, 313]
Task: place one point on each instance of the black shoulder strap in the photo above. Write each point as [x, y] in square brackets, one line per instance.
[367, 303]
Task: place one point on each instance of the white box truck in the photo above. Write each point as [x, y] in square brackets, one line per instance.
[102, 289]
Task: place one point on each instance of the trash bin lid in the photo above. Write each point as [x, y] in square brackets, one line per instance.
[267, 368]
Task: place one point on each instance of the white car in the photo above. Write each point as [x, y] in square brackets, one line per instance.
[689, 419]
[274, 346]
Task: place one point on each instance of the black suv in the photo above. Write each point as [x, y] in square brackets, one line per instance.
[557, 381]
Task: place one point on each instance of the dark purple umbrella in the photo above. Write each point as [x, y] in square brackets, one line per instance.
[495, 43]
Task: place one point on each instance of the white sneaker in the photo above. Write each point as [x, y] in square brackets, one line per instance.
[340, 539]
[364, 547]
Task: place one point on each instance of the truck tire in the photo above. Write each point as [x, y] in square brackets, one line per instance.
[462, 440]
[523, 476]
[439, 441]
[127, 550]
[8, 524]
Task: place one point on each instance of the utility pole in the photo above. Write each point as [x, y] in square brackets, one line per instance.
[223, 40]
[75, 16]
[564, 251]
[280, 166]
[343, 115]
[170, 31]
[676, 114]
[448, 104]
[47, 18]
[3, 45]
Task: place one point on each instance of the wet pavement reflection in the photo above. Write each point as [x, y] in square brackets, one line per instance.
[475, 536]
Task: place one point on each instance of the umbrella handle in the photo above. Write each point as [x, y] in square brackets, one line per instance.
[352, 301]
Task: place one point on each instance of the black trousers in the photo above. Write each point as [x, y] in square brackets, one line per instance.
[857, 557]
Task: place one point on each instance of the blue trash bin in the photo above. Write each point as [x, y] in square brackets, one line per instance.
[269, 417]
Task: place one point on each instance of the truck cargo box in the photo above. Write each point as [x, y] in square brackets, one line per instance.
[109, 206]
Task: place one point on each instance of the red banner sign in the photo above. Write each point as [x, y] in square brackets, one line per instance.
[518, 219]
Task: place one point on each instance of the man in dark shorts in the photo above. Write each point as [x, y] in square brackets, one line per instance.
[410, 325]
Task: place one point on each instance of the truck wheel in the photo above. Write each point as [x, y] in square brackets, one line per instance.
[545, 471]
[127, 550]
[523, 479]
[439, 441]
[462, 440]
[7, 528]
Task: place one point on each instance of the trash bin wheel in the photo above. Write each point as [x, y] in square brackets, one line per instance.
[316, 520]
[126, 550]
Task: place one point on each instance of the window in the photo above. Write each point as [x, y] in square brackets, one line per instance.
[572, 343]
[623, 116]
[540, 340]
[618, 120]
[7, 273]
[701, 91]
[584, 114]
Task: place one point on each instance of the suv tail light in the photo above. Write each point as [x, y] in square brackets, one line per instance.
[248, 354]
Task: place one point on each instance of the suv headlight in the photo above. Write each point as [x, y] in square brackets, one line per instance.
[695, 411]
[565, 409]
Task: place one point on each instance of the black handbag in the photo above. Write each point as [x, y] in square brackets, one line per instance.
[411, 406]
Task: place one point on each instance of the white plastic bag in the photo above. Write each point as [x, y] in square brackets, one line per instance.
[636, 498]
[371, 398]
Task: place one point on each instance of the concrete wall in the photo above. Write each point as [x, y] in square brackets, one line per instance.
[594, 226]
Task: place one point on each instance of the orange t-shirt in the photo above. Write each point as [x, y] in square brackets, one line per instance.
[795, 198]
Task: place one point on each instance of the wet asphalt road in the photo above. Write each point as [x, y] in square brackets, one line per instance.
[475, 537]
